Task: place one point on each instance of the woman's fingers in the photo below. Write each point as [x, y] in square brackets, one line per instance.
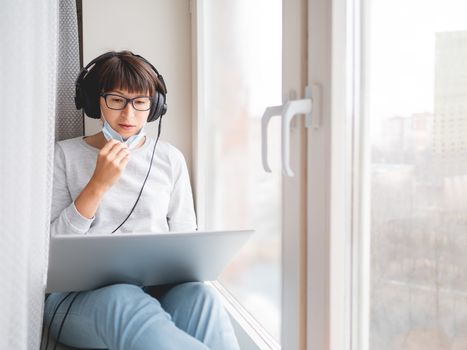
[115, 150]
[110, 163]
[107, 147]
[124, 161]
[122, 155]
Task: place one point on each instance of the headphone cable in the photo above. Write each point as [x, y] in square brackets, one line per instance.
[63, 321]
[147, 175]
[52, 320]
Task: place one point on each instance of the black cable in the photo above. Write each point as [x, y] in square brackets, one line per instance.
[147, 175]
[63, 321]
[52, 320]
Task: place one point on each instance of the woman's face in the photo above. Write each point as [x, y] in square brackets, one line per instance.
[127, 121]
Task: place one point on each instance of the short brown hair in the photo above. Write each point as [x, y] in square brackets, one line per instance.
[125, 71]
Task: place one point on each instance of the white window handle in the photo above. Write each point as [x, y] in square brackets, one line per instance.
[269, 112]
[291, 109]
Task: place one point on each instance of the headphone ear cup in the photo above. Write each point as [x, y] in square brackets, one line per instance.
[159, 107]
[90, 96]
[79, 89]
[91, 108]
[78, 97]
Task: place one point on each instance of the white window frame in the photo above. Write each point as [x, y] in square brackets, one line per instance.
[338, 248]
[359, 282]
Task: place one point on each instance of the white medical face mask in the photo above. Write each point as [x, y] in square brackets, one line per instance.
[111, 134]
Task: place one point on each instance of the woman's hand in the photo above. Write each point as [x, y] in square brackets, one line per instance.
[111, 162]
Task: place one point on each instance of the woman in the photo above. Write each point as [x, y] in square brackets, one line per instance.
[119, 181]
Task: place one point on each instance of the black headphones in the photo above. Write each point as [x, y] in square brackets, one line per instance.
[87, 90]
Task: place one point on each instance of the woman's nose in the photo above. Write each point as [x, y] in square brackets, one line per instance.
[129, 110]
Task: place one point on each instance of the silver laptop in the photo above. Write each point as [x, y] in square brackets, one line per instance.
[81, 262]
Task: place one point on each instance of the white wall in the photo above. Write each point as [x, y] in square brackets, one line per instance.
[160, 31]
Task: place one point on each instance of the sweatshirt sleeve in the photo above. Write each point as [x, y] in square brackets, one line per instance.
[65, 218]
[181, 213]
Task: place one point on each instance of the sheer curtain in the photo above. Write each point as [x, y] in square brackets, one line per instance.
[28, 65]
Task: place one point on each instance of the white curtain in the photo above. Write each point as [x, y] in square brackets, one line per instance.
[28, 56]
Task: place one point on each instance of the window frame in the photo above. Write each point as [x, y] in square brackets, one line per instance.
[338, 245]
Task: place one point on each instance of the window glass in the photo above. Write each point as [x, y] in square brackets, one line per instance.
[242, 76]
[417, 103]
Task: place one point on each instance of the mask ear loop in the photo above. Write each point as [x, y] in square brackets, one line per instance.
[147, 175]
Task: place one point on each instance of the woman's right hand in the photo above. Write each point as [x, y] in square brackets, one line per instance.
[111, 162]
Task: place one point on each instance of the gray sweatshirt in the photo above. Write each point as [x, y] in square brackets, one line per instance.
[166, 203]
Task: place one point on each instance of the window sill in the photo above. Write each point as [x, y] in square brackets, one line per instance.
[250, 334]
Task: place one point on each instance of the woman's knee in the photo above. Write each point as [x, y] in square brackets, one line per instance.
[122, 298]
[197, 309]
[103, 299]
[118, 292]
[196, 289]
[121, 307]
[195, 293]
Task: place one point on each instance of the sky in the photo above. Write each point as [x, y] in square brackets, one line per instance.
[401, 51]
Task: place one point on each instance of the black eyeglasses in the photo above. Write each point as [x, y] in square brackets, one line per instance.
[117, 102]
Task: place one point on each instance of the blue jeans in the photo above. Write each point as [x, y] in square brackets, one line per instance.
[123, 317]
